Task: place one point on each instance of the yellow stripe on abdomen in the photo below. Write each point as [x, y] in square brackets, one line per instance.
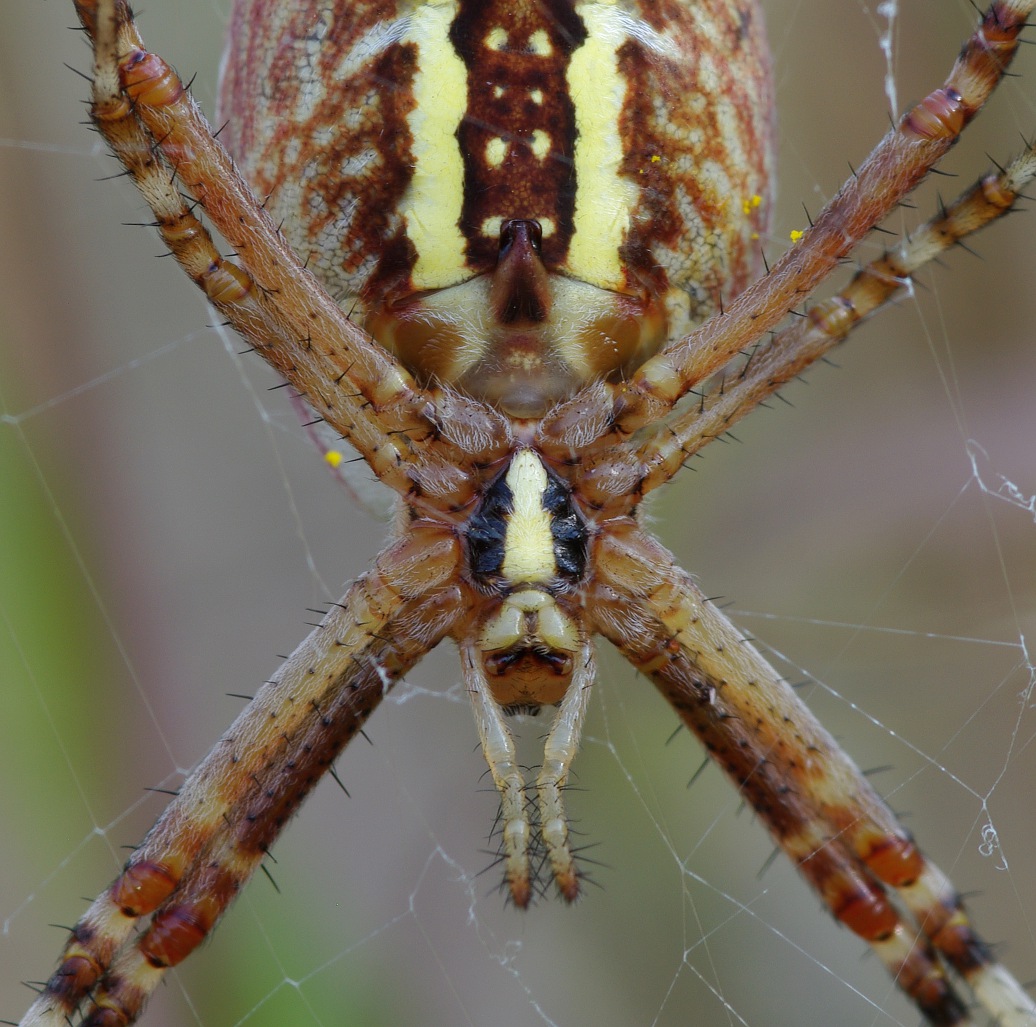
[433, 202]
[603, 198]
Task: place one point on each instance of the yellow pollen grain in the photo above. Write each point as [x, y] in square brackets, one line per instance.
[751, 204]
[795, 234]
[333, 458]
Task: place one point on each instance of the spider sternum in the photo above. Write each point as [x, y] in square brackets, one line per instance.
[527, 548]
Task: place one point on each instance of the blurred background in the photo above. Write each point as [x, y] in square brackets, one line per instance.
[165, 525]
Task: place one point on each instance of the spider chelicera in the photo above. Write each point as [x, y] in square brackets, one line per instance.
[707, 696]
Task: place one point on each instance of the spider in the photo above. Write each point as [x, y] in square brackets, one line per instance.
[518, 876]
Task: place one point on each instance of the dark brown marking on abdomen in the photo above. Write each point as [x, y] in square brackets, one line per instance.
[517, 55]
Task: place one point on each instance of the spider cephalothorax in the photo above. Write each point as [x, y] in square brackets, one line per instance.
[516, 237]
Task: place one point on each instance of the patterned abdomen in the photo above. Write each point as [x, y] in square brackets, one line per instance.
[516, 197]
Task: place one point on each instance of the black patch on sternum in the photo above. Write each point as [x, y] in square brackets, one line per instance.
[501, 86]
[566, 527]
[487, 530]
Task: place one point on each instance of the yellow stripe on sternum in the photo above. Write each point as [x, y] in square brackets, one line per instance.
[528, 542]
[433, 202]
[603, 199]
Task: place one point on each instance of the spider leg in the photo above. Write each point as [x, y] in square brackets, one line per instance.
[796, 347]
[895, 167]
[216, 832]
[156, 130]
[499, 751]
[816, 804]
[558, 753]
[560, 749]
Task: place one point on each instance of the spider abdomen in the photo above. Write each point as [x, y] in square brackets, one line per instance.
[515, 197]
